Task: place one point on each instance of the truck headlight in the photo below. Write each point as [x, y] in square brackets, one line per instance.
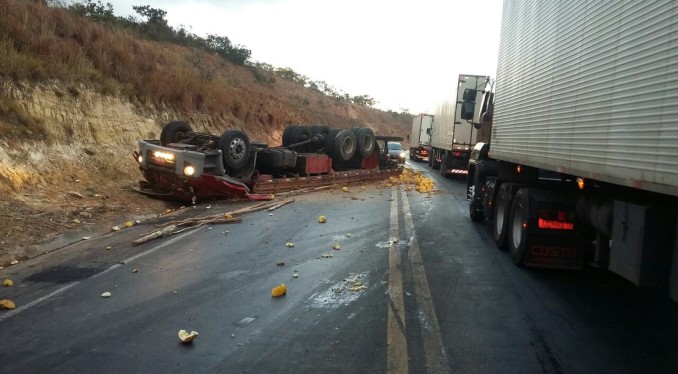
[164, 155]
[189, 170]
[401, 155]
[140, 159]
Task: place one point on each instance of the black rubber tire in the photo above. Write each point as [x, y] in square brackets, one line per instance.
[287, 135]
[443, 166]
[517, 232]
[173, 131]
[319, 129]
[235, 148]
[329, 141]
[344, 145]
[365, 138]
[502, 206]
[474, 179]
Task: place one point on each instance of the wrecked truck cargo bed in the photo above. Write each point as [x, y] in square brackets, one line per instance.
[190, 166]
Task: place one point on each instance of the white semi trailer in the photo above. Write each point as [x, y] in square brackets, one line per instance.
[453, 138]
[420, 139]
[583, 161]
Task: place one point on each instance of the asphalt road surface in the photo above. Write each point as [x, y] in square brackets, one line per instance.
[415, 287]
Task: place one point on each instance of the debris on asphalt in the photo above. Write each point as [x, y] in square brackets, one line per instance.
[135, 270]
[76, 221]
[281, 204]
[289, 244]
[106, 294]
[86, 237]
[14, 262]
[279, 291]
[108, 248]
[345, 189]
[322, 219]
[187, 337]
[295, 275]
[348, 235]
[129, 224]
[115, 228]
[155, 234]
[7, 283]
[327, 255]
[280, 263]
[336, 246]
[356, 285]
[7, 304]
[75, 194]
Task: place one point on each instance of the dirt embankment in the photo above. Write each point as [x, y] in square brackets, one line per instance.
[87, 145]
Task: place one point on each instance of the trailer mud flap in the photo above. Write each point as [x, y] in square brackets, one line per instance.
[555, 236]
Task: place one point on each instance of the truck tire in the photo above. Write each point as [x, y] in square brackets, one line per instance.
[443, 166]
[476, 188]
[502, 215]
[473, 187]
[235, 148]
[365, 139]
[517, 232]
[287, 135]
[329, 141]
[173, 132]
[344, 145]
[319, 129]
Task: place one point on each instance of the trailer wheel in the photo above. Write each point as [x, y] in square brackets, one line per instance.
[235, 148]
[319, 129]
[287, 135]
[329, 141]
[344, 145]
[443, 166]
[173, 132]
[518, 225]
[365, 138]
[501, 215]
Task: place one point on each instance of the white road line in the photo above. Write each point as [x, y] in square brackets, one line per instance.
[436, 357]
[37, 301]
[397, 341]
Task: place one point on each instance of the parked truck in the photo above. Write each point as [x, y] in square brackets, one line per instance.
[453, 138]
[582, 167]
[420, 139]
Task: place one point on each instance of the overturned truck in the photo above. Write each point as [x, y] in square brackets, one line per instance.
[190, 166]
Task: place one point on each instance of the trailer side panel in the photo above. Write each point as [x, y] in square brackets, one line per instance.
[589, 88]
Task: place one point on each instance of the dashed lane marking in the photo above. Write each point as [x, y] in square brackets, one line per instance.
[436, 357]
[397, 342]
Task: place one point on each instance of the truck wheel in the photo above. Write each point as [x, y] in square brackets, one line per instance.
[443, 166]
[473, 188]
[365, 138]
[235, 148]
[518, 225]
[329, 141]
[286, 137]
[344, 145]
[501, 215]
[173, 132]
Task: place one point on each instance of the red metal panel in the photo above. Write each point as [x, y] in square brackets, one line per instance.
[310, 163]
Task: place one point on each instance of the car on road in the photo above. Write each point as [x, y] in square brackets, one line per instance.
[396, 152]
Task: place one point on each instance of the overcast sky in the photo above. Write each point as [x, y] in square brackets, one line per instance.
[404, 54]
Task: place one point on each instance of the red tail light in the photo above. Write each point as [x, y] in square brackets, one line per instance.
[556, 220]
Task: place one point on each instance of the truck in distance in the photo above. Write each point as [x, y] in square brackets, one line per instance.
[452, 137]
[420, 139]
